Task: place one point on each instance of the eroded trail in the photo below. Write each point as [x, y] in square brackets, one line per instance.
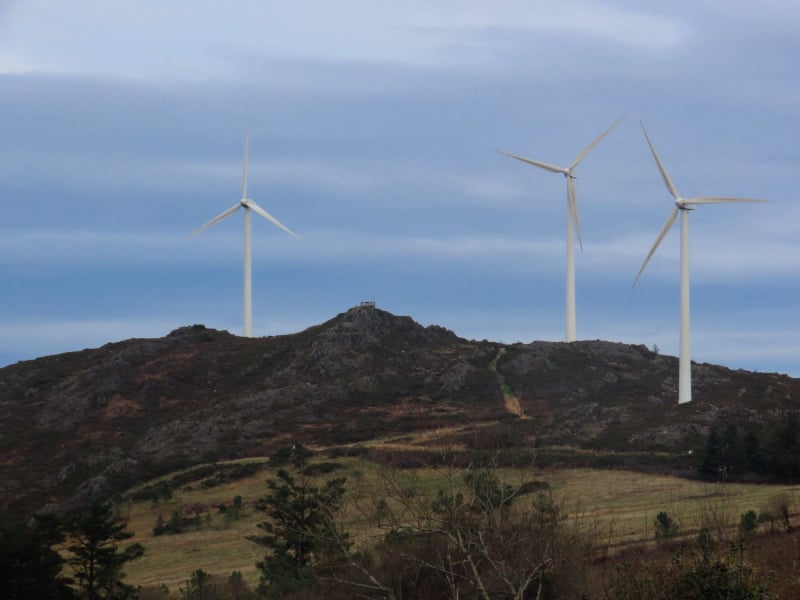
[510, 401]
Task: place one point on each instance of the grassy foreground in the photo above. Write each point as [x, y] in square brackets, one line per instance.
[620, 506]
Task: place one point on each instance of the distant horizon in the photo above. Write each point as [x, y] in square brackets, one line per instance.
[378, 307]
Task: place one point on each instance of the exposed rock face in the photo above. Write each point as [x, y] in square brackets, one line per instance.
[96, 421]
[618, 396]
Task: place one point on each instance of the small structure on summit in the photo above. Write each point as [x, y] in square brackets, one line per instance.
[367, 304]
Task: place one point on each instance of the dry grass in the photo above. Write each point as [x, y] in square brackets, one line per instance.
[627, 503]
[619, 505]
[218, 548]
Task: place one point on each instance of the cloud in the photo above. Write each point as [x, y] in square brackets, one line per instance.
[714, 259]
[594, 19]
[198, 40]
[14, 64]
[92, 247]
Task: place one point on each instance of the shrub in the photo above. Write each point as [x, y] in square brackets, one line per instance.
[666, 527]
[692, 576]
[296, 455]
[749, 522]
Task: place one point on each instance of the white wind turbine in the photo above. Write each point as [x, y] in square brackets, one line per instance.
[573, 221]
[248, 205]
[682, 205]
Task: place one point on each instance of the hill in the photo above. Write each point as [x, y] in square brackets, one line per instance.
[98, 421]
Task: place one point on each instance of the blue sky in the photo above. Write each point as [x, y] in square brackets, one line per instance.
[373, 130]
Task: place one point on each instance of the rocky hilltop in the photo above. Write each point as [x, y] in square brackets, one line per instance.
[100, 420]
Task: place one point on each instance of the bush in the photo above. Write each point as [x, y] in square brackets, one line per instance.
[234, 512]
[749, 522]
[296, 455]
[666, 527]
[696, 576]
[198, 586]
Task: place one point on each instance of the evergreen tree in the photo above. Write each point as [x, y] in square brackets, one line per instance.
[299, 532]
[783, 448]
[175, 524]
[97, 559]
[710, 456]
[734, 459]
[725, 453]
[159, 527]
[198, 587]
[29, 567]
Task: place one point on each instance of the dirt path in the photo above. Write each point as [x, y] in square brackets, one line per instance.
[510, 401]
[425, 440]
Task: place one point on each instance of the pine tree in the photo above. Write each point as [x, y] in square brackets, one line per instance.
[710, 457]
[97, 559]
[30, 569]
[299, 531]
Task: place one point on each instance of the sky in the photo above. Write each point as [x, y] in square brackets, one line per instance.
[374, 127]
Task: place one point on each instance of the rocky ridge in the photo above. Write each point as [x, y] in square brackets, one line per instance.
[99, 420]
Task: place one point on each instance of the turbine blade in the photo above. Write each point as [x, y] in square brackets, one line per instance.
[535, 163]
[670, 220]
[218, 218]
[664, 174]
[244, 165]
[270, 218]
[719, 200]
[591, 146]
[573, 208]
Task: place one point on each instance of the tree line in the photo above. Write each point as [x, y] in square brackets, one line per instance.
[771, 450]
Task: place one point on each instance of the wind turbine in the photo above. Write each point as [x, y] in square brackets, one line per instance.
[248, 205]
[573, 221]
[682, 206]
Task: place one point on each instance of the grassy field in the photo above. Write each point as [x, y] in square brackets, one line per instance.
[619, 506]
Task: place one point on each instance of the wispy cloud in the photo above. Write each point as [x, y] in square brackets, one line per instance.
[14, 64]
[715, 259]
[601, 20]
[410, 32]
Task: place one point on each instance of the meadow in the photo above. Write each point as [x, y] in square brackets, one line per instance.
[618, 507]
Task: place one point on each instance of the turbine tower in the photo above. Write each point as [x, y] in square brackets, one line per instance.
[248, 205]
[573, 222]
[682, 206]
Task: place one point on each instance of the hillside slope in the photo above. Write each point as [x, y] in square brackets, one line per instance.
[100, 420]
